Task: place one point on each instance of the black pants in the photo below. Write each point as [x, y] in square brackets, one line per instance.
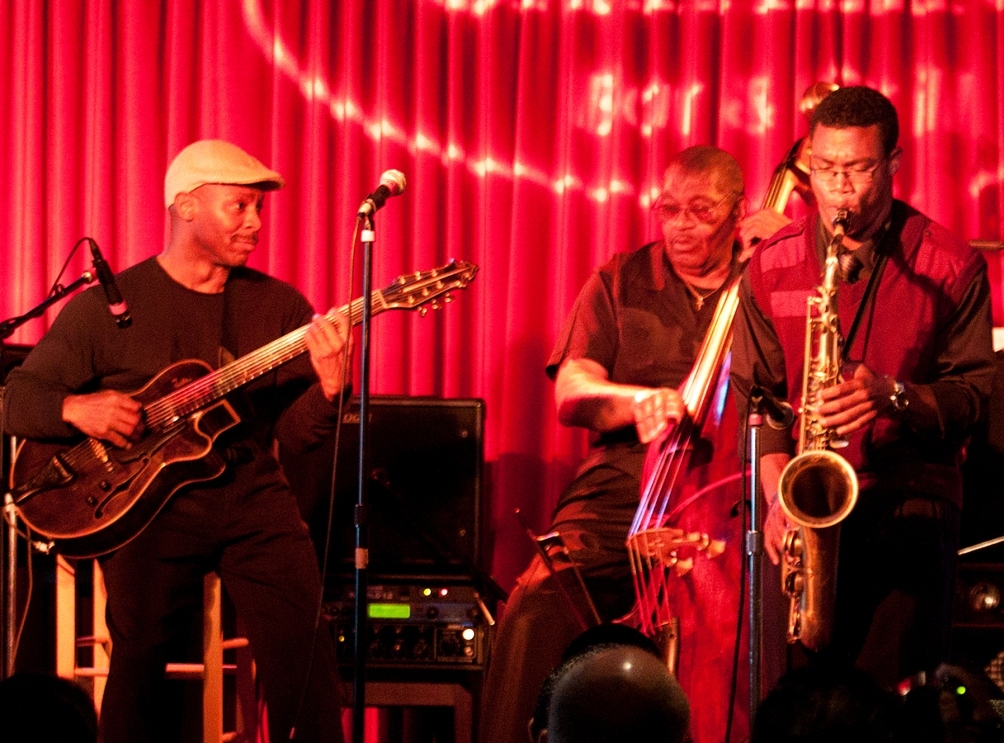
[245, 526]
[538, 624]
[894, 585]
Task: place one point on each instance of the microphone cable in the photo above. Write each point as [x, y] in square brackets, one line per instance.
[326, 552]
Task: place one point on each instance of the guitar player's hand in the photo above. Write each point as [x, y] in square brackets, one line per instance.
[326, 342]
[107, 415]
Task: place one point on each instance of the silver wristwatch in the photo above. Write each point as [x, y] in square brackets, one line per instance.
[900, 402]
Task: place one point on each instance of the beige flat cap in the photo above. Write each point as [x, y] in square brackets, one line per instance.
[216, 161]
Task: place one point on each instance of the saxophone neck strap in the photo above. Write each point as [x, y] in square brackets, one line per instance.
[883, 247]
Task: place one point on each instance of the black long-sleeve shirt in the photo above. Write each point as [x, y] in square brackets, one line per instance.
[85, 351]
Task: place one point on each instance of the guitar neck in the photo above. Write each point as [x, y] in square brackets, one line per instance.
[215, 385]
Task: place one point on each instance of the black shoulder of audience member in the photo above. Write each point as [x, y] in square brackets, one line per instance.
[953, 705]
[832, 704]
[41, 708]
[827, 704]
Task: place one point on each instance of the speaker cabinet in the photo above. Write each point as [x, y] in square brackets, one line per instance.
[424, 479]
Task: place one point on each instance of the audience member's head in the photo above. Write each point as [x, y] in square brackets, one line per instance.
[824, 704]
[609, 634]
[617, 693]
[41, 708]
[602, 635]
[611, 686]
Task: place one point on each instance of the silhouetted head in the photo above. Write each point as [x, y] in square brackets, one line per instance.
[40, 707]
[616, 693]
[825, 704]
[601, 636]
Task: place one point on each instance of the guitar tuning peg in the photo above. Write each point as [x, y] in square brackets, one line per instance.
[447, 298]
[683, 567]
[423, 311]
[436, 305]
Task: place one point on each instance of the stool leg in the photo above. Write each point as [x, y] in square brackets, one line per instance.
[102, 640]
[212, 647]
[247, 694]
[66, 618]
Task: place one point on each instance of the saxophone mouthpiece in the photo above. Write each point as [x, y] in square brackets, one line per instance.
[840, 222]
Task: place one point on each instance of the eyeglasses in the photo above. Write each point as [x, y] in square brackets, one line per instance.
[701, 210]
[856, 174]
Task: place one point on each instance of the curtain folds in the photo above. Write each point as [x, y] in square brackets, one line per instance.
[533, 135]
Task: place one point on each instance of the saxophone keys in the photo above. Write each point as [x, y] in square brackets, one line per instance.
[793, 546]
[838, 442]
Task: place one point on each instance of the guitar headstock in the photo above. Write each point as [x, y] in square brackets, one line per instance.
[432, 288]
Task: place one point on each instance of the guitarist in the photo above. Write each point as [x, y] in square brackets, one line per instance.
[198, 300]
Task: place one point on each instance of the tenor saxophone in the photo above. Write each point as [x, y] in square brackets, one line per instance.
[817, 488]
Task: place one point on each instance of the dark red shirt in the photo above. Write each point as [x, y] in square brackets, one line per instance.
[928, 324]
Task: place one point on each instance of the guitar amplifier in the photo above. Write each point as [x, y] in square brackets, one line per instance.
[414, 625]
[426, 457]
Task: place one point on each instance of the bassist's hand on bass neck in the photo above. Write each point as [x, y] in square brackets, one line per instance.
[758, 227]
[107, 415]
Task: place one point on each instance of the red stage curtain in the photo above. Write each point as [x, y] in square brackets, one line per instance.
[533, 135]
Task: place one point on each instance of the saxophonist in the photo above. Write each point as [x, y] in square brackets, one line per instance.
[917, 364]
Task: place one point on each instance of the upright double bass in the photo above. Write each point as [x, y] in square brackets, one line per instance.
[686, 541]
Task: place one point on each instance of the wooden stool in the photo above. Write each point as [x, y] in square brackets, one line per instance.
[210, 671]
[421, 694]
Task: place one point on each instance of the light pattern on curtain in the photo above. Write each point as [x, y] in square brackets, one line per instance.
[533, 135]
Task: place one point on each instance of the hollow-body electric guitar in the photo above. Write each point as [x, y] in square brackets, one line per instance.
[91, 498]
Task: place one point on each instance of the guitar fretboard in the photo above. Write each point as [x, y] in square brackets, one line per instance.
[205, 390]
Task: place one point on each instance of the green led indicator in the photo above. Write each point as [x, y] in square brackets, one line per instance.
[960, 690]
[389, 611]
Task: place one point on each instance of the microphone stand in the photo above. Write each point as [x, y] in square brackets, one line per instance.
[754, 553]
[980, 546]
[9, 555]
[361, 516]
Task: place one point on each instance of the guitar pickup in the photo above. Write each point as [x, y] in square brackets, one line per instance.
[101, 454]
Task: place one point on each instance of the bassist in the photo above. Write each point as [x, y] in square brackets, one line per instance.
[629, 342]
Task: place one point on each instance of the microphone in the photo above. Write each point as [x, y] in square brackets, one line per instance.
[780, 415]
[392, 182]
[117, 305]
